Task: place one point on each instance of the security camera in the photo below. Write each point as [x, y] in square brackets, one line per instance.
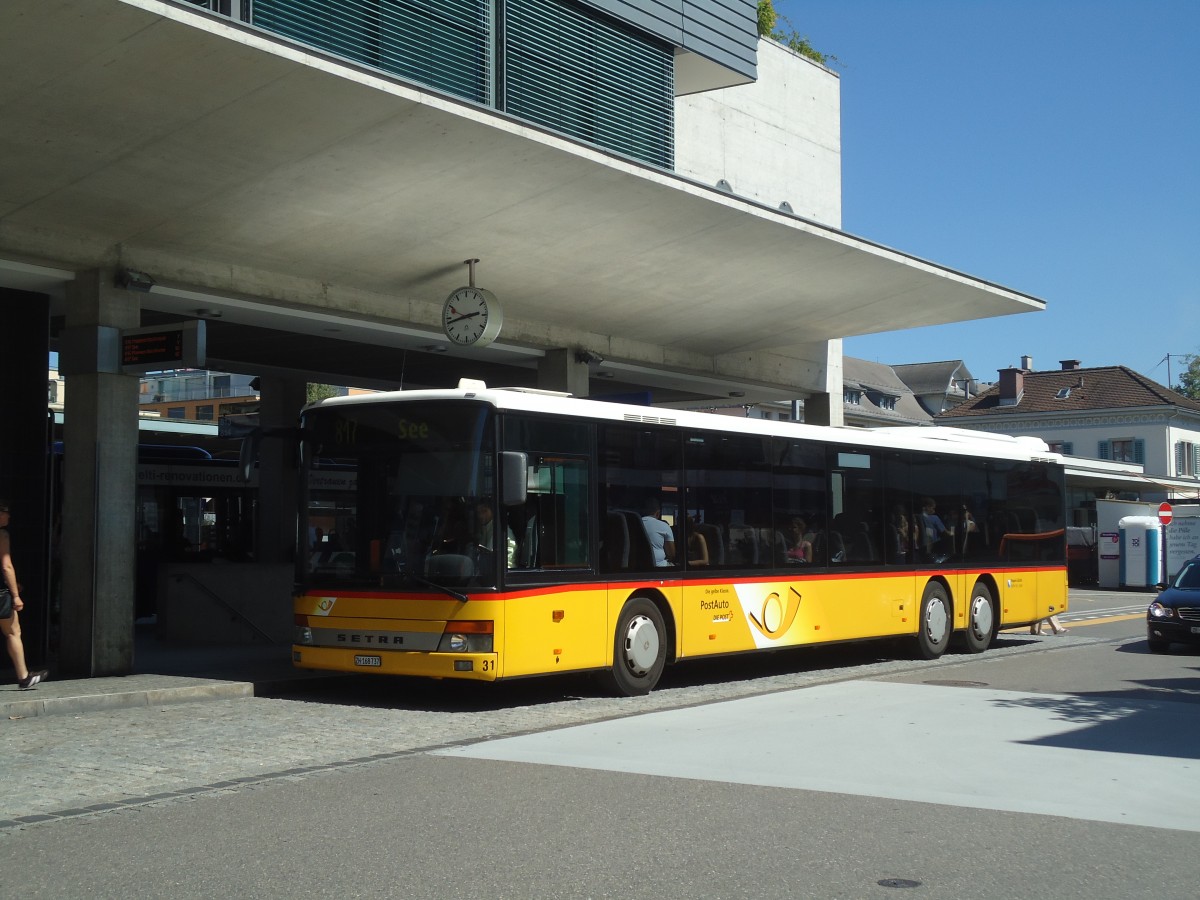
[133, 280]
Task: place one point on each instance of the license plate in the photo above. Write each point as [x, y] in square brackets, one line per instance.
[368, 661]
[1195, 629]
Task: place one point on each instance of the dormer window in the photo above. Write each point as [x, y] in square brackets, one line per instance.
[882, 400]
[852, 397]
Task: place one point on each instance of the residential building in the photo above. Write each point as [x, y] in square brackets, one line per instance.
[939, 386]
[873, 394]
[1121, 425]
[196, 395]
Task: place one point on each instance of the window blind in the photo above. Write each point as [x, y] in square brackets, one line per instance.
[569, 68]
[445, 44]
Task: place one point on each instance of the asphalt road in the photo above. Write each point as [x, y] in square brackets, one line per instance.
[1049, 766]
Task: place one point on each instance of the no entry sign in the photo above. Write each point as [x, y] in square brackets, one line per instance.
[1164, 513]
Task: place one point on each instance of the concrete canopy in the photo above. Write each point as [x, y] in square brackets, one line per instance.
[216, 158]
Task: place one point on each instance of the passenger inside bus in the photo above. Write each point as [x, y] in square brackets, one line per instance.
[662, 539]
[697, 546]
[800, 548]
[932, 529]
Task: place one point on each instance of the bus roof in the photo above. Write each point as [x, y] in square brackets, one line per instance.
[933, 439]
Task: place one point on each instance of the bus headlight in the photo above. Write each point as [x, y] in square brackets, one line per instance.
[467, 637]
[1158, 611]
[302, 634]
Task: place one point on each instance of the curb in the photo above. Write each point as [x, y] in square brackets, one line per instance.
[27, 707]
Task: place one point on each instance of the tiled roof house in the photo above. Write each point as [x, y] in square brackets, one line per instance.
[873, 395]
[939, 386]
[1108, 413]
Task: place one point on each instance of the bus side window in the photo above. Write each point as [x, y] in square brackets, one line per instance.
[551, 529]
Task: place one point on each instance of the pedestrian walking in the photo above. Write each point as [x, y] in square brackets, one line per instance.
[10, 606]
[1056, 626]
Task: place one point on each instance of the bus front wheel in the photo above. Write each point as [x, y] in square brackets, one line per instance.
[933, 633]
[982, 624]
[639, 648]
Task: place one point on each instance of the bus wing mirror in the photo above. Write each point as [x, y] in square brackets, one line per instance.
[252, 440]
[514, 468]
[248, 454]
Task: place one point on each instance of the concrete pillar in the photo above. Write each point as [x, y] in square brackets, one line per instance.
[100, 436]
[24, 438]
[281, 399]
[817, 409]
[559, 370]
[826, 407]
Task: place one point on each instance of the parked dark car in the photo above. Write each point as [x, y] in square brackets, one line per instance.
[1174, 616]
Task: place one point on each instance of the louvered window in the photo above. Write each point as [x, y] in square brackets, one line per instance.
[1187, 458]
[445, 44]
[1131, 450]
[571, 69]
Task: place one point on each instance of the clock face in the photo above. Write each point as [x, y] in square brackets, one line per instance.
[471, 316]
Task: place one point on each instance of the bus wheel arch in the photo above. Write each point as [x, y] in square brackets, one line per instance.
[935, 623]
[643, 643]
[982, 615]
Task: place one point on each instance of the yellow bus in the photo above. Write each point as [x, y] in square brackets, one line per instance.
[491, 534]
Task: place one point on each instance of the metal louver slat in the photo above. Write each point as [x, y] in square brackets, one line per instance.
[445, 44]
[572, 70]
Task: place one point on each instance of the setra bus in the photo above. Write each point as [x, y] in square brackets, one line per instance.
[491, 534]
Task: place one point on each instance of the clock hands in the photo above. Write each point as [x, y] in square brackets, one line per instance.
[460, 318]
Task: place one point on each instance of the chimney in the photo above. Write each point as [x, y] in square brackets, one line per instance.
[1027, 363]
[1069, 365]
[1012, 385]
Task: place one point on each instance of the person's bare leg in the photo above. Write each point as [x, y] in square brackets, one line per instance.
[14, 645]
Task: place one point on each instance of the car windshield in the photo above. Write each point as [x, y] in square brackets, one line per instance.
[399, 495]
[1188, 578]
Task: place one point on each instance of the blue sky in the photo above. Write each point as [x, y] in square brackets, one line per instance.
[1049, 146]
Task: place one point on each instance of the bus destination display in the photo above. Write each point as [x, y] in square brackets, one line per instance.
[172, 346]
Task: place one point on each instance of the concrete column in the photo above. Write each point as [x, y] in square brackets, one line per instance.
[817, 409]
[24, 435]
[100, 436]
[281, 400]
[559, 370]
[826, 407]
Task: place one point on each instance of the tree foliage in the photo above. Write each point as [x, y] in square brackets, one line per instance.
[321, 392]
[777, 27]
[766, 18]
[1189, 379]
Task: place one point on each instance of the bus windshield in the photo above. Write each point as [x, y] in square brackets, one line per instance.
[399, 495]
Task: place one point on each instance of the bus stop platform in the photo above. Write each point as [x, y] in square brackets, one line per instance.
[164, 673]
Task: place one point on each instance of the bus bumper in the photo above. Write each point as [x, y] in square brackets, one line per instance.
[471, 666]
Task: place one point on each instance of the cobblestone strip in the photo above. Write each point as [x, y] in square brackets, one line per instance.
[64, 766]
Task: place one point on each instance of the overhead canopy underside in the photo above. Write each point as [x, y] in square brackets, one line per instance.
[216, 157]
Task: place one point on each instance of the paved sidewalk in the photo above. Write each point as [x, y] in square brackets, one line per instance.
[162, 674]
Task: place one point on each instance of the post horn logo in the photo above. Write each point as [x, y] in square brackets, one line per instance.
[776, 616]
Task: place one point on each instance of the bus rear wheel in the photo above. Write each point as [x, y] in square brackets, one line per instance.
[933, 633]
[639, 649]
[981, 624]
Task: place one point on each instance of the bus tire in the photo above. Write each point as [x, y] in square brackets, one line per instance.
[934, 627]
[639, 648]
[981, 619]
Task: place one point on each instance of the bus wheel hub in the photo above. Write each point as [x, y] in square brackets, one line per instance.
[641, 645]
